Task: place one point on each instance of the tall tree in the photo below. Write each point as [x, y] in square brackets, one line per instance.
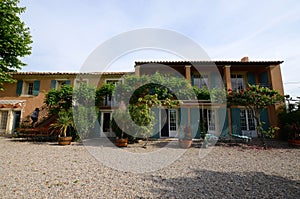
[255, 98]
[15, 40]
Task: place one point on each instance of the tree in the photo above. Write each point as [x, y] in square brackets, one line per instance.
[15, 40]
[84, 110]
[59, 99]
[255, 98]
[142, 93]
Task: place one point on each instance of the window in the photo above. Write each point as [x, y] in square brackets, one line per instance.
[3, 120]
[28, 87]
[201, 81]
[172, 117]
[237, 82]
[113, 81]
[80, 81]
[247, 120]
[57, 84]
[211, 121]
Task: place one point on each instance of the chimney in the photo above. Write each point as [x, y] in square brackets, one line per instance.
[245, 59]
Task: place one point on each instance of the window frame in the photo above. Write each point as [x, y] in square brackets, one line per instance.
[114, 80]
[243, 77]
[77, 82]
[201, 77]
[249, 123]
[25, 87]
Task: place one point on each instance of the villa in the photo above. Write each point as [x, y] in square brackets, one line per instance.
[18, 100]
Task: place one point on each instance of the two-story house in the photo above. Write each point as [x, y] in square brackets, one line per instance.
[216, 117]
[18, 100]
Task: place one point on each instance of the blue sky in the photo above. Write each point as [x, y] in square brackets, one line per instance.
[65, 32]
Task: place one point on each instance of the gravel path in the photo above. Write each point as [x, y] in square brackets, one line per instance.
[46, 170]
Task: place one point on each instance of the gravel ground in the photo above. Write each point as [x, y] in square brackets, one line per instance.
[46, 170]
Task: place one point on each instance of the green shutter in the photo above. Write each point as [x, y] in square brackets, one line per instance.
[36, 87]
[214, 80]
[68, 82]
[19, 87]
[263, 79]
[264, 117]
[192, 79]
[99, 122]
[236, 121]
[251, 78]
[223, 122]
[195, 122]
[156, 130]
[53, 84]
[183, 120]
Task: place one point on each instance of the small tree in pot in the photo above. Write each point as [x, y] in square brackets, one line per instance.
[63, 125]
[186, 141]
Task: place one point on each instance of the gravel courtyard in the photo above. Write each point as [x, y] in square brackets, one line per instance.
[46, 170]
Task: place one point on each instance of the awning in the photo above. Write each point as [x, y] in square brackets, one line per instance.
[11, 103]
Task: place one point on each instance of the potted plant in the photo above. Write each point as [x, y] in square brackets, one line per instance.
[119, 125]
[62, 126]
[186, 141]
[294, 134]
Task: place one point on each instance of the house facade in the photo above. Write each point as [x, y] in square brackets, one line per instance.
[20, 99]
[212, 117]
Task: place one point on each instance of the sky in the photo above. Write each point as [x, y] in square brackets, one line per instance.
[66, 32]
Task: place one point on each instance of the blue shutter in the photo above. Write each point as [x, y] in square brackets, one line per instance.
[156, 130]
[223, 122]
[236, 121]
[99, 122]
[251, 78]
[263, 79]
[19, 87]
[195, 122]
[214, 80]
[183, 120]
[68, 82]
[264, 117]
[192, 79]
[36, 87]
[53, 84]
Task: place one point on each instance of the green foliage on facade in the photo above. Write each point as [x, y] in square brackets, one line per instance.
[15, 40]
[59, 99]
[255, 98]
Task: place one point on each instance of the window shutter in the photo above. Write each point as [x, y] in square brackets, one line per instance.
[236, 121]
[214, 80]
[192, 80]
[68, 82]
[251, 78]
[263, 79]
[19, 87]
[155, 133]
[53, 84]
[195, 123]
[36, 87]
[264, 117]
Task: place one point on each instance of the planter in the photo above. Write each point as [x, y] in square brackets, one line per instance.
[122, 142]
[64, 140]
[294, 142]
[185, 143]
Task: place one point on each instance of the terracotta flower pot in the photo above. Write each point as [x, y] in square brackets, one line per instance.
[185, 143]
[122, 142]
[64, 140]
[294, 142]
